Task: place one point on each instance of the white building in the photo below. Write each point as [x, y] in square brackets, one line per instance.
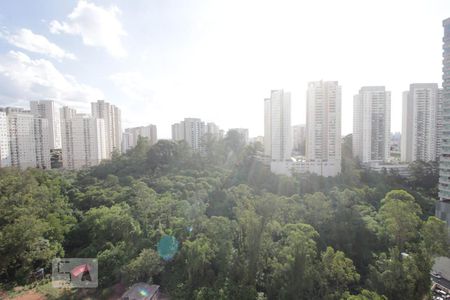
[277, 126]
[113, 124]
[243, 132]
[131, 136]
[29, 141]
[401, 169]
[84, 141]
[5, 152]
[323, 124]
[443, 206]
[257, 139]
[372, 124]
[420, 135]
[177, 131]
[191, 130]
[213, 130]
[47, 109]
[299, 138]
[323, 168]
[42, 142]
[9, 110]
[66, 112]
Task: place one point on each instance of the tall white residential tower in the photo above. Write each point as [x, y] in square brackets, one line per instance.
[113, 124]
[323, 125]
[5, 152]
[29, 141]
[213, 130]
[420, 134]
[191, 130]
[443, 206]
[277, 126]
[84, 141]
[47, 109]
[372, 124]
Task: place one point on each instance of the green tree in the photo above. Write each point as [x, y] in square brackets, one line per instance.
[339, 273]
[142, 268]
[400, 276]
[34, 219]
[111, 259]
[253, 216]
[234, 141]
[424, 174]
[104, 225]
[435, 236]
[221, 232]
[365, 295]
[199, 255]
[399, 214]
[352, 228]
[294, 269]
[165, 155]
[317, 210]
[24, 247]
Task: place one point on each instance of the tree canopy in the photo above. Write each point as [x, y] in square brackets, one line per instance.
[241, 231]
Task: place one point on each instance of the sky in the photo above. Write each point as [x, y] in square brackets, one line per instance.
[160, 61]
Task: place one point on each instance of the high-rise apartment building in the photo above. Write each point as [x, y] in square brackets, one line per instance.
[113, 124]
[299, 139]
[443, 206]
[323, 125]
[213, 130]
[21, 133]
[42, 137]
[84, 141]
[5, 153]
[191, 130]
[66, 112]
[47, 109]
[117, 125]
[177, 131]
[372, 124]
[29, 141]
[277, 126]
[131, 136]
[9, 110]
[420, 126]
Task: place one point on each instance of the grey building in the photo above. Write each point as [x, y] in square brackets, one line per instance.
[443, 206]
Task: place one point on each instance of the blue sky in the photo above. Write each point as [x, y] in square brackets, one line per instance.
[161, 61]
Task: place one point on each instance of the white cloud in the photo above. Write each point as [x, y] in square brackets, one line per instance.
[23, 78]
[134, 85]
[26, 39]
[97, 26]
[138, 92]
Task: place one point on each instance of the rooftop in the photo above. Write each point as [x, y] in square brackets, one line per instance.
[442, 267]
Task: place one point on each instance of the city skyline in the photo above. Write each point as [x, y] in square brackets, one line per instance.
[46, 53]
[257, 149]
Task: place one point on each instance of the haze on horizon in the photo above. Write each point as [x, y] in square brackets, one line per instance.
[162, 61]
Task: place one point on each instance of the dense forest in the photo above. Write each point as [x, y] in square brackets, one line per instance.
[242, 232]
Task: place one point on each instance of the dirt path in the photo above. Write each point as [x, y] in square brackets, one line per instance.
[31, 295]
